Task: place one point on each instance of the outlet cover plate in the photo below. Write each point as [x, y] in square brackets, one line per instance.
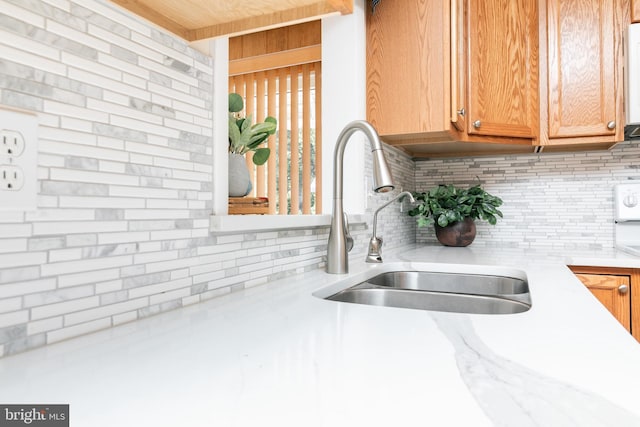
[19, 156]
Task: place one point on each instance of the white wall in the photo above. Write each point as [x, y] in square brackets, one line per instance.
[219, 51]
[344, 100]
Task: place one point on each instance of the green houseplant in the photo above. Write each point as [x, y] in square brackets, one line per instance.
[243, 138]
[452, 211]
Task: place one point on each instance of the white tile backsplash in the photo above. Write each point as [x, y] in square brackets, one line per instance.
[124, 176]
[559, 200]
[125, 182]
[14, 318]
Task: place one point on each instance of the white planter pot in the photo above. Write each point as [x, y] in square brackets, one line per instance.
[239, 179]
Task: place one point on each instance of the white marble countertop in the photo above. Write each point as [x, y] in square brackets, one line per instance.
[276, 355]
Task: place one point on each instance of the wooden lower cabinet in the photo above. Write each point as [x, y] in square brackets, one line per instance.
[613, 293]
[618, 289]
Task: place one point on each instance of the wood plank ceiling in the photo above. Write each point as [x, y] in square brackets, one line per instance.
[202, 19]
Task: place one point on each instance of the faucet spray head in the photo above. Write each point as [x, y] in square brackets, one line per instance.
[382, 180]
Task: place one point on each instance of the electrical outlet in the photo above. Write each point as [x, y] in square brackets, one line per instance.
[18, 160]
[11, 178]
[11, 143]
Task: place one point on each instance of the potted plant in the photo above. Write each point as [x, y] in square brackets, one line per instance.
[244, 137]
[452, 211]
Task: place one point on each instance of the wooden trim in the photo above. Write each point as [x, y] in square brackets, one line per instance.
[306, 136]
[264, 22]
[282, 142]
[202, 19]
[271, 164]
[260, 116]
[345, 7]
[303, 55]
[248, 205]
[276, 40]
[295, 166]
[249, 82]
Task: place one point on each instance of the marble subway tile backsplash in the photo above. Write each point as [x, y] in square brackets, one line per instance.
[395, 227]
[125, 183]
[553, 200]
[125, 179]
[123, 114]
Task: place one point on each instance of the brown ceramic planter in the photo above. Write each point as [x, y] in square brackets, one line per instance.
[458, 234]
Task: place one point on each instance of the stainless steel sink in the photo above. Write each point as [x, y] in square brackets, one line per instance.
[459, 293]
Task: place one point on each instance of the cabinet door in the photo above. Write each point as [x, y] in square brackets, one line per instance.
[635, 10]
[502, 74]
[408, 67]
[613, 292]
[582, 73]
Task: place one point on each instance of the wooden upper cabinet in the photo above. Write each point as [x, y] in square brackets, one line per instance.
[502, 67]
[407, 67]
[635, 10]
[423, 82]
[584, 68]
[614, 292]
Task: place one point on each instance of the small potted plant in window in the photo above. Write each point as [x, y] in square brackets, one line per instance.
[245, 137]
[452, 211]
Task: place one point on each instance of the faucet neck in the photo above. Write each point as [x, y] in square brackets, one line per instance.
[338, 157]
[337, 257]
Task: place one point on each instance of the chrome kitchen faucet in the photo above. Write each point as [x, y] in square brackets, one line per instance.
[337, 257]
[375, 244]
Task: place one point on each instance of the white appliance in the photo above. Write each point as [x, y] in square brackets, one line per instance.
[627, 217]
[632, 82]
